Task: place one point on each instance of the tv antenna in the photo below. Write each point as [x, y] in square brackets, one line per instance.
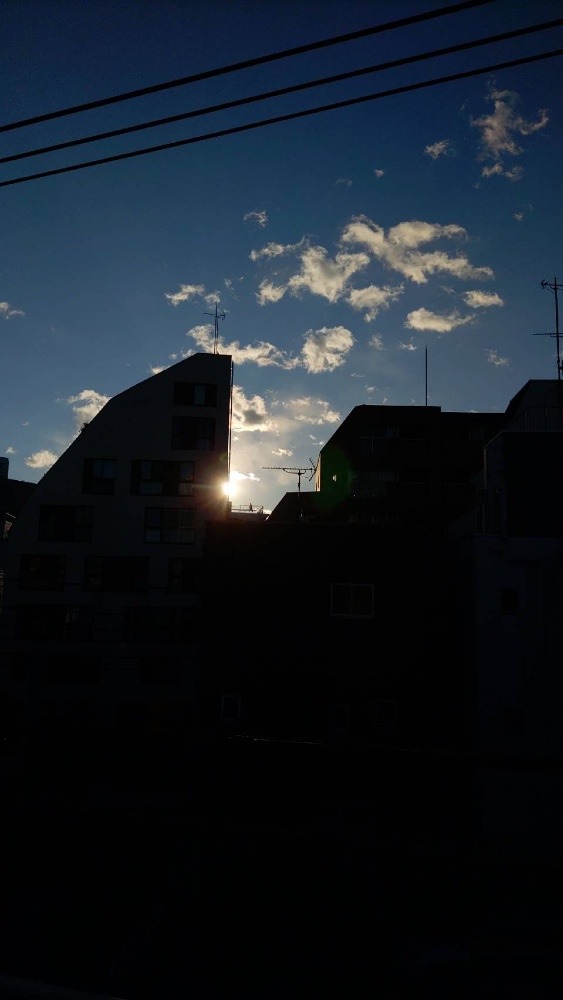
[218, 316]
[295, 471]
[554, 287]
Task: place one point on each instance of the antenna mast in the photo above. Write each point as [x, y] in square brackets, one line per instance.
[295, 471]
[218, 316]
[554, 286]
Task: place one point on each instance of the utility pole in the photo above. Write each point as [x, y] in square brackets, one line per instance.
[218, 316]
[554, 286]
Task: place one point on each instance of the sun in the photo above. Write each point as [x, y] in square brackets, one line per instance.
[229, 488]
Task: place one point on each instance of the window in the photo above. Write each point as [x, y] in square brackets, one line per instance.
[510, 601]
[385, 713]
[183, 575]
[65, 523]
[43, 572]
[351, 600]
[193, 433]
[413, 432]
[166, 479]
[116, 573]
[231, 708]
[413, 477]
[169, 525]
[339, 720]
[69, 670]
[160, 670]
[158, 624]
[195, 394]
[51, 622]
[98, 476]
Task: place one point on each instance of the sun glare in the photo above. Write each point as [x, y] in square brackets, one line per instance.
[229, 488]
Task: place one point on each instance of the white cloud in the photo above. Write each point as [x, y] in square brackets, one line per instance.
[261, 353]
[260, 217]
[437, 149]
[376, 341]
[476, 299]
[86, 404]
[323, 350]
[326, 349]
[373, 298]
[399, 248]
[274, 250]
[268, 292]
[187, 292]
[423, 319]
[308, 410]
[322, 276]
[250, 414]
[501, 131]
[344, 180]
[379, 173]
[8, 311]
[494, 359]
[318, 274]
[10, 450]
[407, 347]
[41, 459]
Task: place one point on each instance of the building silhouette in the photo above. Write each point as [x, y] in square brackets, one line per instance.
[407, 609]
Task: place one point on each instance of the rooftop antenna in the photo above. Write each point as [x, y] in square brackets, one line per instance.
[218, 316]
[296, 471]
[426, 374]
[554, 287]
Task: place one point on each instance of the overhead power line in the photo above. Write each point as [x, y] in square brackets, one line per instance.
[524, 60]
[283, 91]
[248, 63]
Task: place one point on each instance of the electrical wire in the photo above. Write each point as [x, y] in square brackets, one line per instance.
[283, 91]
[467, 74]
[248, 63]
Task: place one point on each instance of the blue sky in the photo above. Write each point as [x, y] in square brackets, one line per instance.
[342, 247]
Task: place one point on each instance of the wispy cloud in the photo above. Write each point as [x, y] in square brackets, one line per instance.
[275, 250]
[500, 134]
[344, 180]
[376, 341]
[477, 299]
[373, 298]
[399, 248]
[8, 311]
[437, 149]
[379, 173]
[187, 292]
[423, 319]
[319, 275]
[259, 217]
[10, 450]
[494, 359]
[323, 350]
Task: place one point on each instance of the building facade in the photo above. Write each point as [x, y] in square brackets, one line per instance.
[101, 606]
